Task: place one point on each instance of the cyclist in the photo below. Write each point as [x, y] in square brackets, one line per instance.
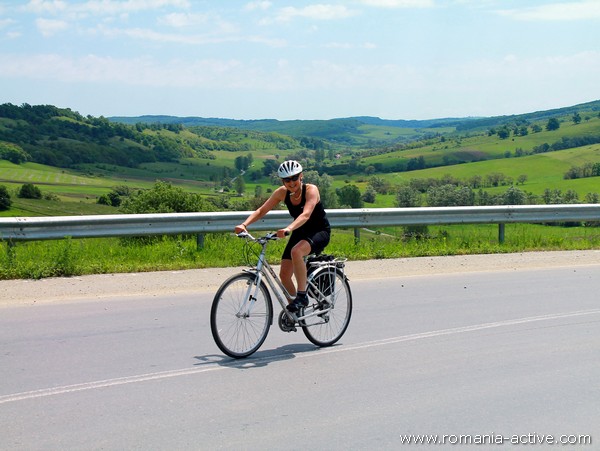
[310, 229]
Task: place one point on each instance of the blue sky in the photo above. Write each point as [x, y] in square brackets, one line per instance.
[321, 59]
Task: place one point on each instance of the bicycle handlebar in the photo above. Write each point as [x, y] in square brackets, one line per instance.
[268, 236]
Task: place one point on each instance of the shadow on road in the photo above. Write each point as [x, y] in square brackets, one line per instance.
[259, 358]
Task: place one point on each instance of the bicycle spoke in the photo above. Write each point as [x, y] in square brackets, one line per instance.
[328, 328]
[239, 328]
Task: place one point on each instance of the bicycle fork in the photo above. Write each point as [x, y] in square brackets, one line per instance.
[245, 309]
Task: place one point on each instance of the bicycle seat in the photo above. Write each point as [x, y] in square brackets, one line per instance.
[319, 258]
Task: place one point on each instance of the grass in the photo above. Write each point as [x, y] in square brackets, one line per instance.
[35, 260]
[82, 188]
[79, 189]
[488, 146]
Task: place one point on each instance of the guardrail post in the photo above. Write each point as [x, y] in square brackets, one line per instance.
[356, 235]
[501, 233]
[200, 241]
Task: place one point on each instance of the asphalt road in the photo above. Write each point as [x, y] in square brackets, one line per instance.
[496, 356]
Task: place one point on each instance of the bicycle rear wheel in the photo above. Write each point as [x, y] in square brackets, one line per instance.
[326, 329]
[241, 315]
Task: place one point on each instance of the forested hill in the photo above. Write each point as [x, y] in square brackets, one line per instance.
[339, 129]
[61, 137]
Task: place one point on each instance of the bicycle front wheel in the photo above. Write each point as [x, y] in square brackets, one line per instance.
[241, 315]
[327, 328]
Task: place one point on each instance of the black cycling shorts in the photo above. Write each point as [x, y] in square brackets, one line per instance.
[317, 241]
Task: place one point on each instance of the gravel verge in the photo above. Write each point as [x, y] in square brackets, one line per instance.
[31, 292]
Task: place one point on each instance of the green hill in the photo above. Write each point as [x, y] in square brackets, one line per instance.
[362, 130]
[76, 159]
[60, 137]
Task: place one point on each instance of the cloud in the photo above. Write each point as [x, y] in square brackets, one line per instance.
[180, 20]
[314, 12]
[348, 46]
[146, 34]
[101, 7]
[399, 3]
[5, 23]
[578, 10]
[94, 69]
[261, 5]
[205, 22]
[49, 27]
[483, 87]
[46, 6]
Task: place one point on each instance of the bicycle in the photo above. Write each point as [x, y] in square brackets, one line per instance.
[242, 309]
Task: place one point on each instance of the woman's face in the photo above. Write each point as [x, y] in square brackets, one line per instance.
[292, 183]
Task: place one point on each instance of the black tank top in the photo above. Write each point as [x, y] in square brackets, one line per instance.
[318, 219]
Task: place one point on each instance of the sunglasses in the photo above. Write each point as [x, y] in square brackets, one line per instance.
[290, 179]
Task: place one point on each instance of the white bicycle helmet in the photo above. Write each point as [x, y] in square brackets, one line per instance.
[289, 168]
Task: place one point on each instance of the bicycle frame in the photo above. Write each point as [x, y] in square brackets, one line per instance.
[264, 271]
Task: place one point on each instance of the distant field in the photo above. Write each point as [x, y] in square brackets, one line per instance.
[483, 146]
[543, 170]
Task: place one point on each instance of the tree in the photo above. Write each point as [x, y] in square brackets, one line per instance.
[552, 196]
[164, 198]
[115, 197]
[576, 118]
[13, 153]
[379, 185]
[449, 196]
[240, 185]
[407, 197]
[241, 163]
[571, 197]
[495, 178]
[504, 133]
[514, 196]
[521, 179]
[30, 191]
[270, 166]
[349, 195]
[476, 181]
[592, 198]
[5, 201]
[329, 199]
[369, 195]
[552, 124]
[319, 156]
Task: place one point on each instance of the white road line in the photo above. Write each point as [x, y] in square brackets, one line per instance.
[253, 361]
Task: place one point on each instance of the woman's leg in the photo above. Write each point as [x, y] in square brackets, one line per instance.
[299, 251]
[286, 271]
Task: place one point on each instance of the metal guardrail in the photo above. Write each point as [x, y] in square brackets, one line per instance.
[59, 227]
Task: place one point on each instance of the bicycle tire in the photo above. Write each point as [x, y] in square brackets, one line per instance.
[326, 330]
[240, 336]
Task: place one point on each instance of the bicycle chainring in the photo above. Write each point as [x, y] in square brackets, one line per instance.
[285, 323]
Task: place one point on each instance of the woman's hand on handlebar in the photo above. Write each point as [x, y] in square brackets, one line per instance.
[282, 233]
[240, 228]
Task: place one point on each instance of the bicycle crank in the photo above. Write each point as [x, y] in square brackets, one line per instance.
[285, 323]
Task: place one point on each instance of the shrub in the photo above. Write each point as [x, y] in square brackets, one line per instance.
[164, 198]
[5, 201]
[30, 191]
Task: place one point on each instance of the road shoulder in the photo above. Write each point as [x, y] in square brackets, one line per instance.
[32, 292]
